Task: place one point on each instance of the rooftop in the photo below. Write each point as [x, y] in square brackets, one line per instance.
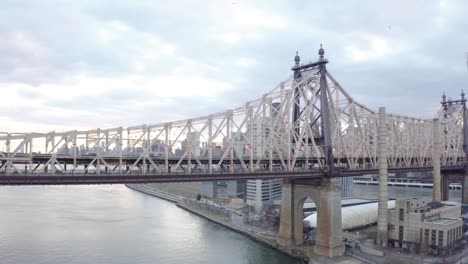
[435, 205]
[443, 221]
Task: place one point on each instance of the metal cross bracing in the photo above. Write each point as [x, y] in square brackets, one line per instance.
[306, 123]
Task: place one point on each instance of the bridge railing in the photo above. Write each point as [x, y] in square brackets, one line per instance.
[176, 173]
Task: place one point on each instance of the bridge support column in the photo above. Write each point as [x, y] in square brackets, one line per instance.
[286, 229]
[327, 197]
[436, 194]
[329, 227]
[382, 220]
[444, 192]
[465, 189]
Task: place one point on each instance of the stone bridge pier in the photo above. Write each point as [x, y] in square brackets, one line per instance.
[447, 179]
[327, 197]
[465, 189]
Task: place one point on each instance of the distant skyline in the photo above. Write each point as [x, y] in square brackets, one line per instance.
[88, 64]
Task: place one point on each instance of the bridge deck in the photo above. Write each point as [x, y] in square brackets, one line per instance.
[135, 177]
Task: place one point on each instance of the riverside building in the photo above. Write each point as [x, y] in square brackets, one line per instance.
[260, 194]
[429, 226]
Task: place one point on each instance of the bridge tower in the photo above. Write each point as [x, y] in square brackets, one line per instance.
[327, 193]
[465, 149]
[447, 107]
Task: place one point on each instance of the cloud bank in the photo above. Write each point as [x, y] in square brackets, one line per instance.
[87, 64]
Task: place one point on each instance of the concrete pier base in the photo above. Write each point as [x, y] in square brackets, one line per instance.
[327, 198]
[295, 192]
[465, 189]
[444, 190]
[286, 229]
[329, 227]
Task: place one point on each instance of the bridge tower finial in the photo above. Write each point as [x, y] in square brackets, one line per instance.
[463, 96]
[321, 52]
[296, 68]
[297, 59]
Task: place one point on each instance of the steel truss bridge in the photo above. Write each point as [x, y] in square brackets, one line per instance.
[307, 126]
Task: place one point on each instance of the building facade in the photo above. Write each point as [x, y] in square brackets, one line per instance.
[346, 186]
[262, 193]
[208, 189]
[236, 188]
[419, 223]
[223, 189]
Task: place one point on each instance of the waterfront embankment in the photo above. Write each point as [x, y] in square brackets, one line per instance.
[302, 253]
[182, 203]
[247, 232]
[157, 193]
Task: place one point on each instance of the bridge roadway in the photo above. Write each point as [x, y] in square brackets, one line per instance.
[136, 177]
[38, 159]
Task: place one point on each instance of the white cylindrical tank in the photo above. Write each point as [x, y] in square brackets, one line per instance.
[354, 216]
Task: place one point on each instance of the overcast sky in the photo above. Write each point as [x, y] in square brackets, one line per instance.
[86, 64]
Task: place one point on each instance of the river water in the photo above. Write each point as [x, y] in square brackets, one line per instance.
[114, 224]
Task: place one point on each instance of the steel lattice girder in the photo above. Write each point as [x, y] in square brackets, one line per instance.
[259, 134]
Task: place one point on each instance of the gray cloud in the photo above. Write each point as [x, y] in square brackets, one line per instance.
[396, 54]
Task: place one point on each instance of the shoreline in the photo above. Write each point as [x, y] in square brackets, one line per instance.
[156, 193]
[178, 200]
[254, 237]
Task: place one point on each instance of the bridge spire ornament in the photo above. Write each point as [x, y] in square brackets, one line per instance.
[321, 52]
[297, 59]
[444, 101]
[297, 66]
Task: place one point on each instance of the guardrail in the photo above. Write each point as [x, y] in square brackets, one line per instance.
[64, 178]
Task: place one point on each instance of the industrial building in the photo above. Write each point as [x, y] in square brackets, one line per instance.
[421, 224]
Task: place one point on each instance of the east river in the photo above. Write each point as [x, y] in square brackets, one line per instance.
[114, 224]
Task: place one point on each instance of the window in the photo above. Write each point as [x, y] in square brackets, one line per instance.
[426, 235]
[441, 238]
[402, 214]
[400, 233]
[433, 237]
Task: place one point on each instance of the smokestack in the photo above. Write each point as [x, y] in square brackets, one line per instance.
[382, 220]
[436, 194]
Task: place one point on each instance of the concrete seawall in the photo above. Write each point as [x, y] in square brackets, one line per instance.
[242, 231]
[153, 192]
[297, 253]
[179, 202]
